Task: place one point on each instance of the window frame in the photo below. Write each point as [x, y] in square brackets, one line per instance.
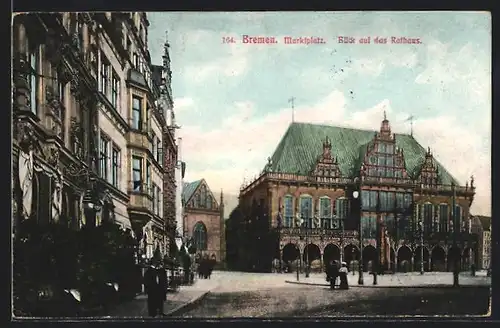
[104, 145]
[139, 187]
[137, 123]
[115, 165]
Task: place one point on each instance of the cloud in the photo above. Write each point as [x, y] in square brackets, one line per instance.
[181, 104]
[245, 144]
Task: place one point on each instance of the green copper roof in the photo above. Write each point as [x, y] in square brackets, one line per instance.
[302, 144]
[188, 188]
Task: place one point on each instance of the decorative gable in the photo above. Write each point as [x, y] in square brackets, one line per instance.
[326, 168]
[429, 172]
[203, 198]
[383, 159]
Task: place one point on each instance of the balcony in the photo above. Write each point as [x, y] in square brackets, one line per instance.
[139, 140]
[319, 232]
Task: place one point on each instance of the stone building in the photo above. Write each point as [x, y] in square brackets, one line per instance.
[86, 125]
[481, 225]
[204, 219]
[333, 178]
[163, 75]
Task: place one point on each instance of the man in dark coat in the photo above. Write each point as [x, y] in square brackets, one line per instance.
[332, 272]
[155, 284]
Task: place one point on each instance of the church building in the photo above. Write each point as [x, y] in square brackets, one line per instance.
[204, 219]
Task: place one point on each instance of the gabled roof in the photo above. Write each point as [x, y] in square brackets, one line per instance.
[302, 143]
[188, 189]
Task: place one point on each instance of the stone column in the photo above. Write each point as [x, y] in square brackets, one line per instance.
[321, 259]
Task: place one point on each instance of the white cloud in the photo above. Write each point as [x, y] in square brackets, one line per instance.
[181, 104]
[248, 141]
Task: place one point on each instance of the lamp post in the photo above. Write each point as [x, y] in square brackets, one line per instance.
[421, 235]
[298, 261]
[356, 196]
[456, 228]
[306, 221]
[279, 224]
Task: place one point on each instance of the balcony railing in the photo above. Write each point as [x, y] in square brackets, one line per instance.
[319, 232]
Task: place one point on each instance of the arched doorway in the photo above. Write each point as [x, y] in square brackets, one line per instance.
[369, 258]
[290, 253]
[331, 253]
[454, 256]
[438, 259]
[312, 253]
[467, 258]
[404, 259]
[417, 259]
[351, 256]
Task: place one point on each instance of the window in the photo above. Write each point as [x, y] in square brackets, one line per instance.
[382, 148]
[369, 227]
[288, 207]
[137, 173]
[136, 113]
[104, 157]
[61, 88]
[209, 202]
[341, 208]
[390, 149]
[115, 166]
[443, 217]
[306, 210]
[384, 200]
[148, 177]
[115, 87]
[427, 217]
[104, 77]
[153, 145]
[325, 212]
[158, 200]
[400, 204]
[158, 151]
[408, 199]
[136, 61]
[200, 236]
[34, 79]
[458, 215]
[148, 119]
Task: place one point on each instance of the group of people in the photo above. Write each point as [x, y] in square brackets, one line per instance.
[205, 267]
[334, 271]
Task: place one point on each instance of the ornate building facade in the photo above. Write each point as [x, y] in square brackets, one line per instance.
[481, 225]
[333, 178]
[204, 220]
[87, 130]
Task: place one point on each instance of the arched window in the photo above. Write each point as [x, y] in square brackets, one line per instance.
[200, 236]
[209, 202]
[288, 210]
[325, 212]
[306, 209]
[341, 208]
[203, 200]
[197, 201]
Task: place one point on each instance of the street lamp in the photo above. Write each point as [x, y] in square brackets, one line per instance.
[421, 235]
[455, 232]
[356, 196]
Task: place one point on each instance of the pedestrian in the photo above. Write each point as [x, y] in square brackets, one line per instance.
[332, 273]
[343, 276]
[155, 284]
[473, 269]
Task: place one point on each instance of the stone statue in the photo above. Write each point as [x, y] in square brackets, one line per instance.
[26, 181]
[57, 201]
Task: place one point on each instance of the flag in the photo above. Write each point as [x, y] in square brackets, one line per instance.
[411, 117]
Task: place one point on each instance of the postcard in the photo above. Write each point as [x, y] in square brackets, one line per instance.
[251, 165]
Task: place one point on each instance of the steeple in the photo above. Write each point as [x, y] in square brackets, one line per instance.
[327, 148]
[385, 128]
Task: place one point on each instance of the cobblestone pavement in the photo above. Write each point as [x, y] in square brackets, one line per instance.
[312, 301]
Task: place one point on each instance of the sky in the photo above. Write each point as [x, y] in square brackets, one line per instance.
[232, 99]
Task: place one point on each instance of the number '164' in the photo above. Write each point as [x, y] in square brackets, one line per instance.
[228, 39]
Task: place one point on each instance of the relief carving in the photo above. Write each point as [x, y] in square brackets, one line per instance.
[76, 135]
[75, 86]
